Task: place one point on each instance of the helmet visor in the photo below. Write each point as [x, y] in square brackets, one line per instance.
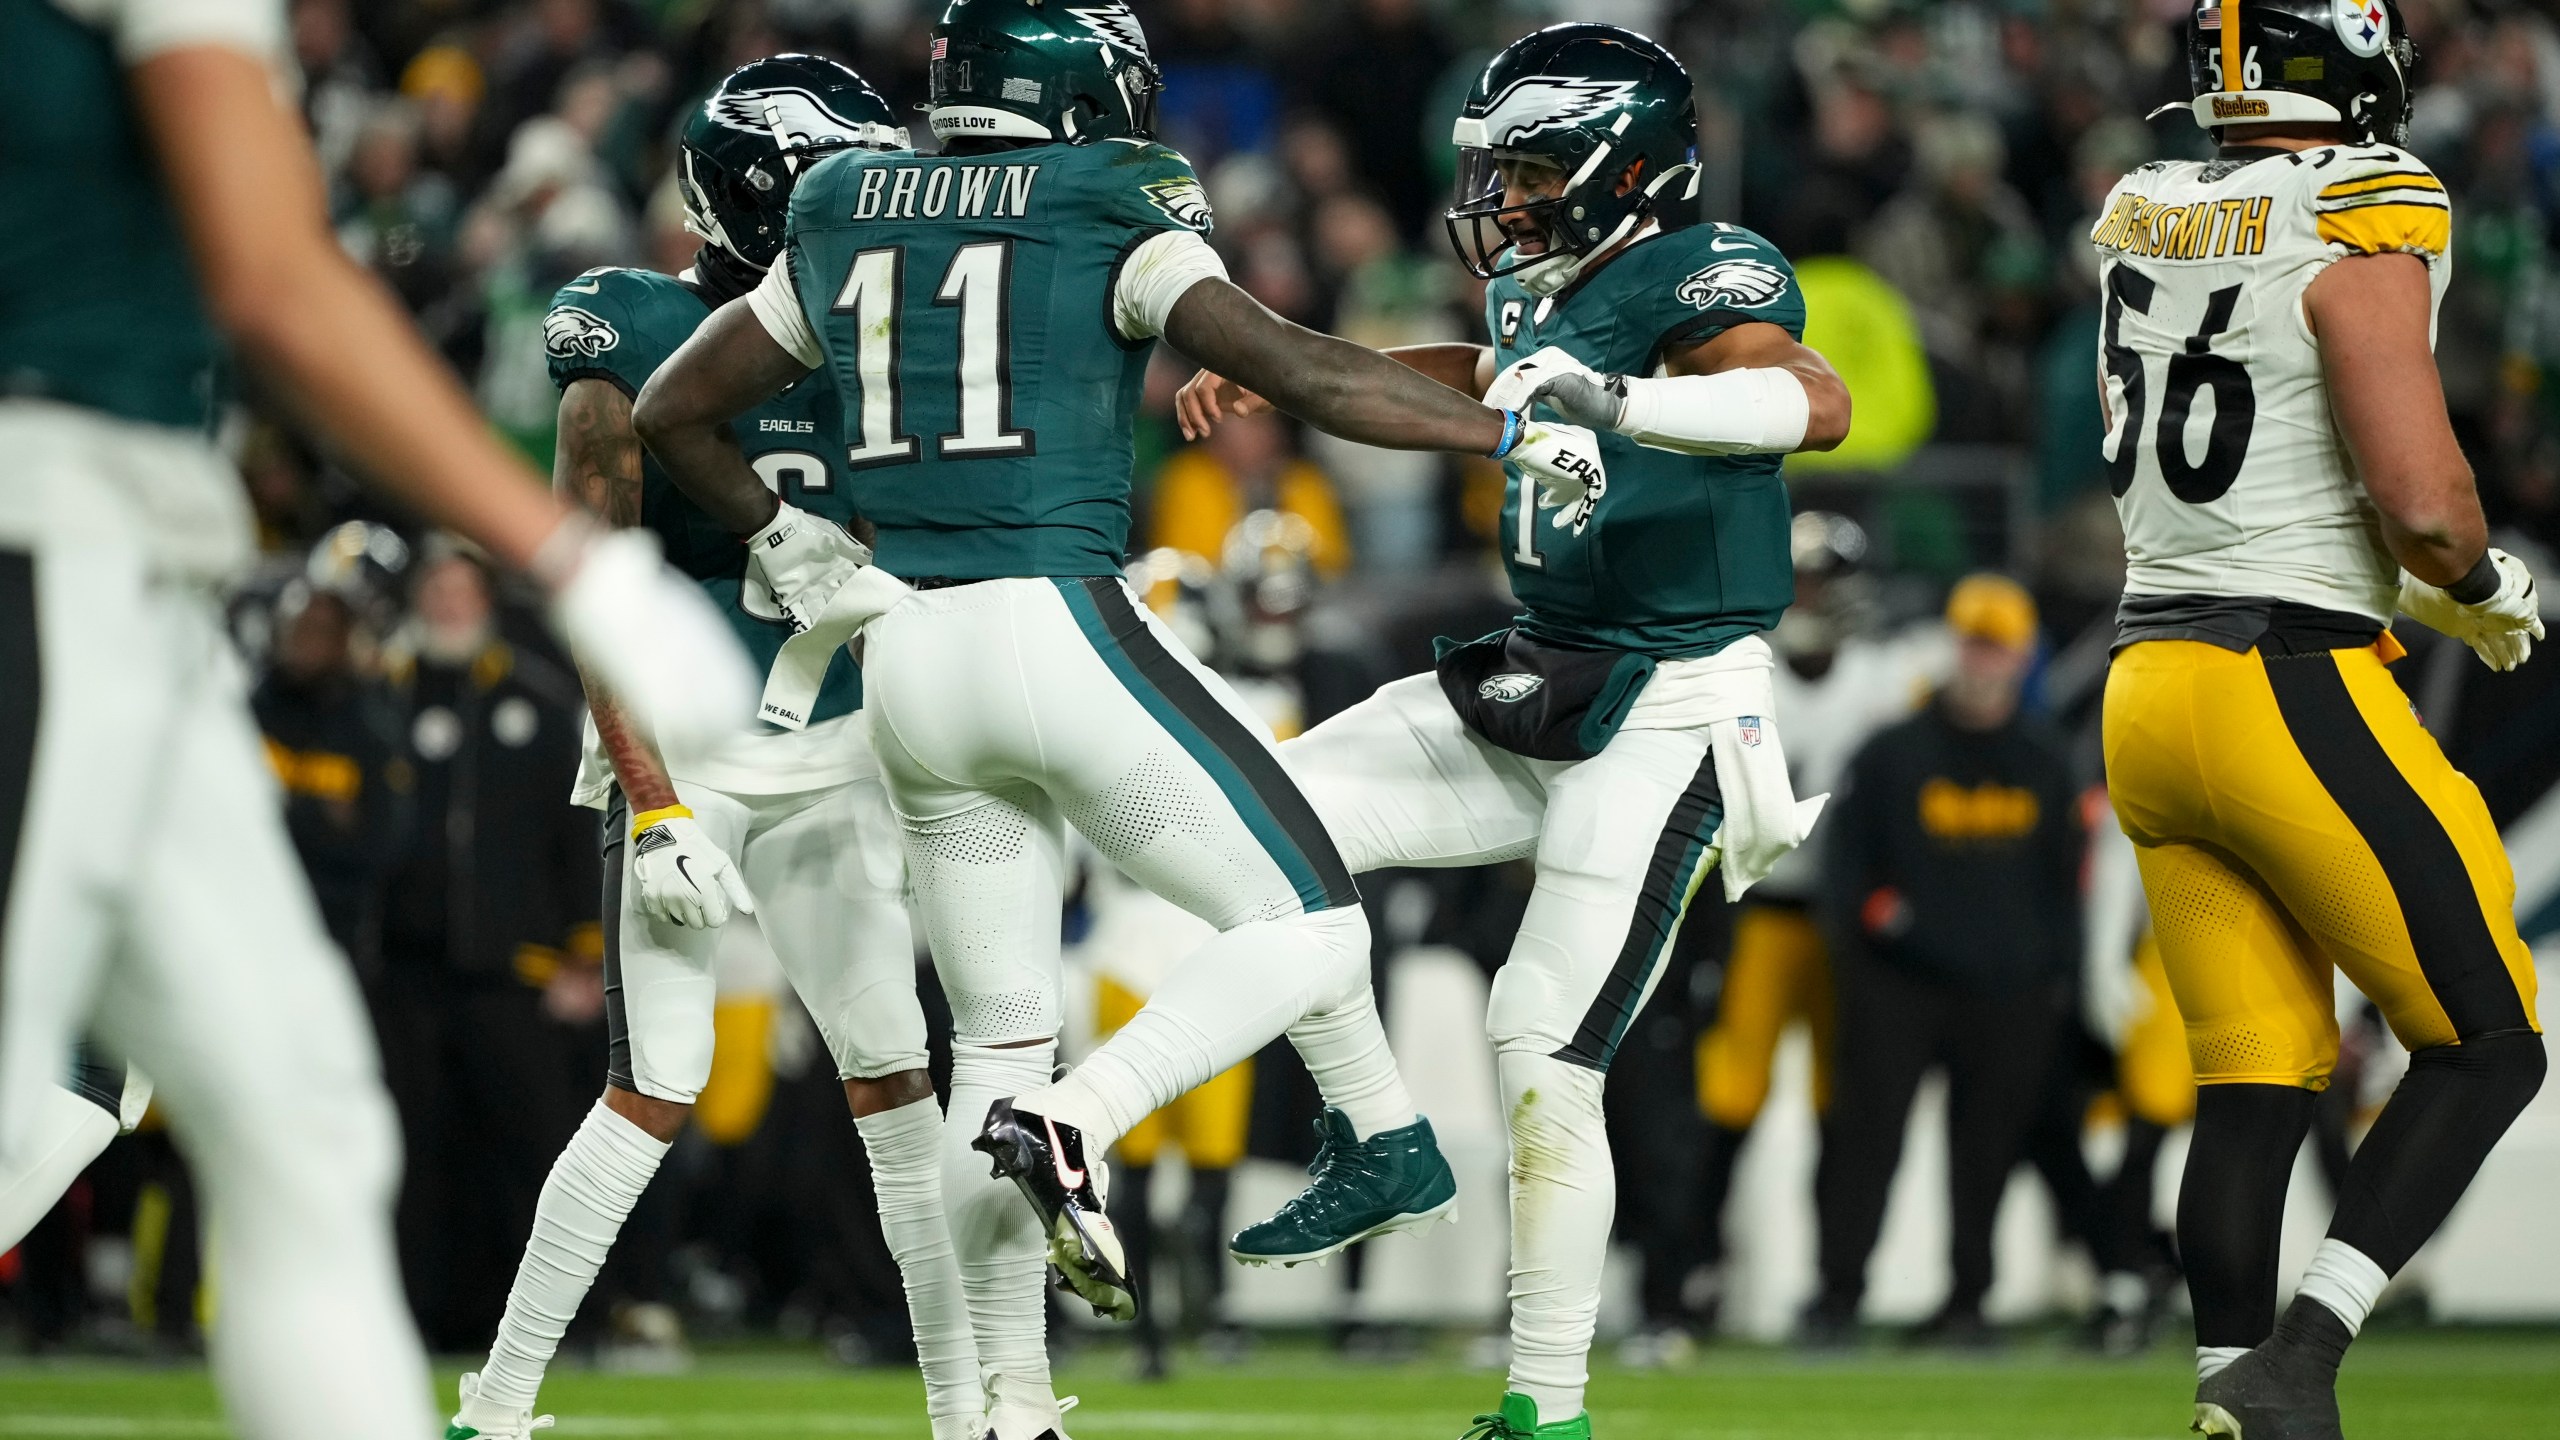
[1507, 211]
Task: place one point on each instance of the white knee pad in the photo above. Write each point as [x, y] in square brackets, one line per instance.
[883, 1034]
[1342, 936]
[1526, 1007]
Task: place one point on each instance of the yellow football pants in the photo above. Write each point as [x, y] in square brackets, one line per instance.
[2292, 815]
[1206, 1124]
[1779, 974]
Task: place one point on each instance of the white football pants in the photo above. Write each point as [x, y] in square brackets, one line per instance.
[828, 874]
[1621, 842]
[148, 895]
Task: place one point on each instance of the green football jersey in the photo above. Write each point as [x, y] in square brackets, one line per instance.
[98, 299]
[619, 326]
[963, 309]
[1684, 554]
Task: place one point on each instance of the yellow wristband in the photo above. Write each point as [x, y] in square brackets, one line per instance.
[647, 818]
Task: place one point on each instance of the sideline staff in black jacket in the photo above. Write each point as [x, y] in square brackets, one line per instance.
[1952, 901]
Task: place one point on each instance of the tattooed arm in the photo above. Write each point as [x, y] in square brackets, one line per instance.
[597, 466]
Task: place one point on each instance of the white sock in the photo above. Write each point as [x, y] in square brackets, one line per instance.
[2210, 1359]
[1345, 1049]
[1235, 994]
[1004, 1259]
[64, 1133]
[2344, 1279]
[593, 1185]
[1564, 1193]
[905, 1145]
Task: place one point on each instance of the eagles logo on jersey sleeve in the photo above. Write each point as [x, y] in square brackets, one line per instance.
[1719, 276]
[617, 326]
[1164, 191]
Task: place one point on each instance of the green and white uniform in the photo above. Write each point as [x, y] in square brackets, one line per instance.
[148, 893]
[987, 320]
[802, 813]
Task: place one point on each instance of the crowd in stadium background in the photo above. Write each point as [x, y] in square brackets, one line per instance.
[1932, 165]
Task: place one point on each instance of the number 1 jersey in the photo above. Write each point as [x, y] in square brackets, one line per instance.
[973, 313]
[2229, 472]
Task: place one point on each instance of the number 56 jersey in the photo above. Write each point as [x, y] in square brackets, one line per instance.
[2229, 472]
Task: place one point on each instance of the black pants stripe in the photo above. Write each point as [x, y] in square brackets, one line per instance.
[1676, 853]
[2455, 950]
[617, 1019]
[21, 696]
[1261, 770]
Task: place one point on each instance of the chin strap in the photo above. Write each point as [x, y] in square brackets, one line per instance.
[1545, 277]
[723, 276]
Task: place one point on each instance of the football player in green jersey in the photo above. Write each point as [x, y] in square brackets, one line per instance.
[798, 802]
[987, 315]
[1621, 731]
[166, 219]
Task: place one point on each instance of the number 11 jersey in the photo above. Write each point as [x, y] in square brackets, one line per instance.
[2228, 469]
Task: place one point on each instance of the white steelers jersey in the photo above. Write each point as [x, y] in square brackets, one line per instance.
[2228, 470]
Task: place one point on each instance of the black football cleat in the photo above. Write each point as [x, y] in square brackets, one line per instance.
[1046, 1161]
[2286, 1389]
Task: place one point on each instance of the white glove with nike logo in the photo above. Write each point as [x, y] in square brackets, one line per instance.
[679, 876]
[2500, 629]
[804, 561]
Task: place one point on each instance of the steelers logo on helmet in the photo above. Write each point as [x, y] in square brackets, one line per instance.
[2364, 25]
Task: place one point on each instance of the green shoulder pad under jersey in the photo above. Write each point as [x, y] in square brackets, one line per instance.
[963, 308]
[618, 326]
[1685, 554]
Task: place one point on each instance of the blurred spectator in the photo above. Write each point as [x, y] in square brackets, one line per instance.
[490, 942]
[1245, 465]
[333, 738]
[1952, 875]
[1374, 75]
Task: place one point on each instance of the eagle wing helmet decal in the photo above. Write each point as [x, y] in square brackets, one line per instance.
[1538, 103]
[1114, 23]
[793, 116]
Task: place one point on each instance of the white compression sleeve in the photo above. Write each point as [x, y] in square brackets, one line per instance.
[590, 1192]
[1732, 412]
[905, 1145]
[1003, 1255]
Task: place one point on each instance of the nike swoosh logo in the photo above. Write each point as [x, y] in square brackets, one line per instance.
[685, 871]
[589, 287]
[1720, 243]
[1071, 1178]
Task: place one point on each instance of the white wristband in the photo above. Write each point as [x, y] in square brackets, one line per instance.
[1733, 412]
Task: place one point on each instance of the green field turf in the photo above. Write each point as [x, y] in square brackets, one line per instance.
[2499, 1386]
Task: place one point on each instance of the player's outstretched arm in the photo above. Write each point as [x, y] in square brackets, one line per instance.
[332, 343]
[1750, 389]
[2370, 313]
[1762, 346]
[730, 365]
[1208, 397]
[597, 466]
[1348, 390]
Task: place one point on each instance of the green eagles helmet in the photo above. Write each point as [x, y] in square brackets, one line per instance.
[2334, 62]
[1041, 70]
[1604, 108]
[744, 148]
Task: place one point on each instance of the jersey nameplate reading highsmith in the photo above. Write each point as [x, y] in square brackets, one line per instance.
[2210, 229]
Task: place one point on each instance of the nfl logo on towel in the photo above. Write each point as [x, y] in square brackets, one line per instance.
[1750, 727]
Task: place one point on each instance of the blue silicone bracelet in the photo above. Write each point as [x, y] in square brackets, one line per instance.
[1510, 434]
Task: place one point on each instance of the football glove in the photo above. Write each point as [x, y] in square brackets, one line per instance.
[1565, 461]
[650, 635]
[2500, 630]
[1511, 389]
[804, 561]
[679, 876]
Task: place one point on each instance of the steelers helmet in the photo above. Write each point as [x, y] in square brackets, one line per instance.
[1598, 105]
[2331, 62]
[1039, 70]
[746, 146]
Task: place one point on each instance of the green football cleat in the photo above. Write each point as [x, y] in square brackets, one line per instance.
[1518, 1420]
[1394, 1180]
